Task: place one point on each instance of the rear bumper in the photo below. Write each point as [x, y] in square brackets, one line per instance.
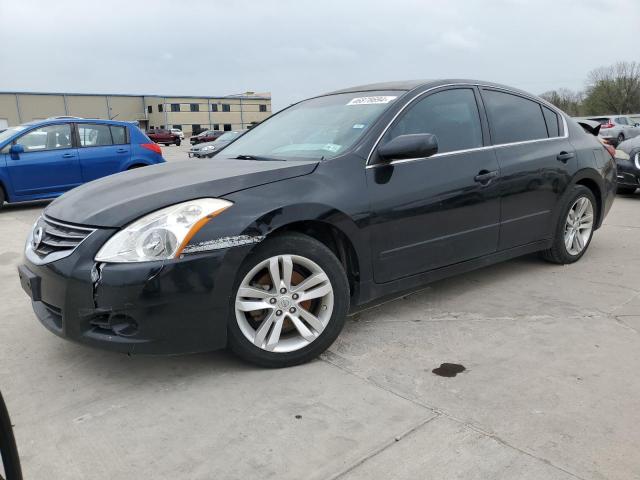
[171, 307]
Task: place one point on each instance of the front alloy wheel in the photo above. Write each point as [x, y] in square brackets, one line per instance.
[290, 302]
[284, 303]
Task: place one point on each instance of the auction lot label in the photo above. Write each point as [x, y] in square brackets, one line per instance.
[371, 100]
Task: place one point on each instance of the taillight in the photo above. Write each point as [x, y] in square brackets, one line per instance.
[607, 125]
[154, 147]
[608, 147]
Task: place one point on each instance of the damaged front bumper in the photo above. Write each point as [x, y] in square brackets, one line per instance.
[168, 307]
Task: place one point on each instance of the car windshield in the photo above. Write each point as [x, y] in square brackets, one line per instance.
[227, 137]
[10, 132]
[322, 127]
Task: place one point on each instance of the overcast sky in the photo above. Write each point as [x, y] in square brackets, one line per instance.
[299, 48]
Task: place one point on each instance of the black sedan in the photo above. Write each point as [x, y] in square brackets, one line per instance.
[628, 162]
[330, 204]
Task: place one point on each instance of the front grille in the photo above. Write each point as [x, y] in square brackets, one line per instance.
[51, 236]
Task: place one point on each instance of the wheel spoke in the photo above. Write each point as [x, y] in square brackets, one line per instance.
[302, 328]
[310, 282]
[252, 292]
[274, 271]
[585, 226]
[583, 203]
[318, 292]
[580, 241]
[263, 329]
[274, 336]
[568, 240]
[311, 319]
[252, 305]
[287, 271]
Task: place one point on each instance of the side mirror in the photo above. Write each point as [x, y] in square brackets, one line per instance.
[419, 145]
[16, 149]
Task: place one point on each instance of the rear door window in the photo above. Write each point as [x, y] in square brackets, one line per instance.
[94, 135]
[513, 118]
[451, 115]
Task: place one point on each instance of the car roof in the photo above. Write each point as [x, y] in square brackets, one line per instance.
[407, 85]
[50, 121]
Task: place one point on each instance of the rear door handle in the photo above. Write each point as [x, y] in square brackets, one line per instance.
[122, 150]
[565, 156]
[68, 155]
[485, 176]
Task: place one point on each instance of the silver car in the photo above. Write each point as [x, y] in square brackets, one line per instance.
[616, 128]
[209, 149]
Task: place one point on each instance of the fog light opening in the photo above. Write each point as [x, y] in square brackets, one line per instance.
[123, 325]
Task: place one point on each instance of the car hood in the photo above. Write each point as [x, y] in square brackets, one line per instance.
[119, 199]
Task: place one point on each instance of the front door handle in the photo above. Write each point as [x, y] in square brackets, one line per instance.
[565, 156]
[122, 150]
[485, 176]
[68, 155]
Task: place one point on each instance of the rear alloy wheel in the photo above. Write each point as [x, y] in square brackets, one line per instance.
[620, 138]
[575, 227]
[290, 302]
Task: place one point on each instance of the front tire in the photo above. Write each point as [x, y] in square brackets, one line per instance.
[3, 198]
[574, 229]
[289, 303]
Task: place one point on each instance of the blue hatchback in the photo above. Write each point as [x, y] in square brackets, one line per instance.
[45, 158]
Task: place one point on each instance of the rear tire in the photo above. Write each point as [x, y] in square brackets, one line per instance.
[298, 323]
[3, 198]
[567, 248]
[178, 142]
[620, 138]
[626, 190]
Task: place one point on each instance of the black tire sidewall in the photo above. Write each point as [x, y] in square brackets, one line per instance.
[305, 246]
[575, 193]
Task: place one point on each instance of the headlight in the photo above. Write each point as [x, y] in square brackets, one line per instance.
[208, 147]
[162, 234]
[637, 155]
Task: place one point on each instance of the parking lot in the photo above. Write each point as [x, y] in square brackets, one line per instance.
[550, 391]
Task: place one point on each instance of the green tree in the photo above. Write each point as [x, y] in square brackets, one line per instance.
[613, 89]
[566, 100]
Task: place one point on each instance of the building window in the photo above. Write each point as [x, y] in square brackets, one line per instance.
[195, 107]
[161, 127]
[151, 127]
[214, 107]
[150, 109]
[160, 107]
[263, 108]
[226, 107]
[179, 127]
[195, 129]
[216, 126]
[227, 127]
[175, 107]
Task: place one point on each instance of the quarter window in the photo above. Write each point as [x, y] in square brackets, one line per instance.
[51, 137]
[551, 118]
[119, 135]
[513, 118]
[452, 116]
[94, 135]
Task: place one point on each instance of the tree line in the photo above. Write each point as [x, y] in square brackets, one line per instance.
[610, 90]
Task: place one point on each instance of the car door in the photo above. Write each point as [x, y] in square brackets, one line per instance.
[435, 211]
[49, 164]
[536, 162]
[102, 148]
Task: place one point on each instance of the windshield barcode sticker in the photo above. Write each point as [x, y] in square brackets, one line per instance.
[371, 100]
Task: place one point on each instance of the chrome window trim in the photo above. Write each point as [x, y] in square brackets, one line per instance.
[565, 129]
[52, 257]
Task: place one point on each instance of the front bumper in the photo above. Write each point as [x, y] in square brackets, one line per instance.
[170, 307]
[628, 173]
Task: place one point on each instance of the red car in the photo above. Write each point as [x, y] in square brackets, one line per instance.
[163, 136]
[206, 136]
